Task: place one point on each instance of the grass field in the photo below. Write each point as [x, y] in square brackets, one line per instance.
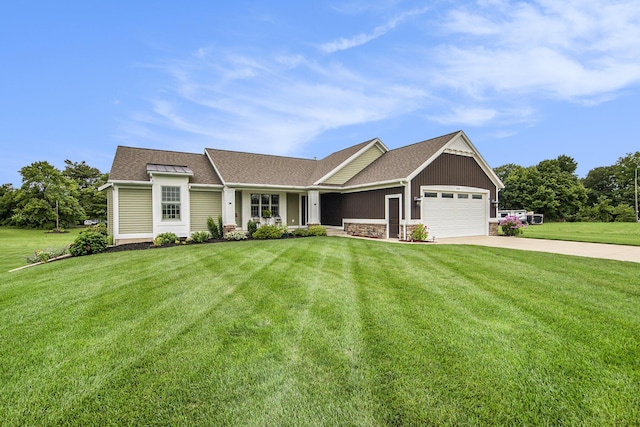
[321, 331]
[16, 244]
[621, 233]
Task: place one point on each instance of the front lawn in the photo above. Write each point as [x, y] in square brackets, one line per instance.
[621, 233]
[321, 331]
[17, 243]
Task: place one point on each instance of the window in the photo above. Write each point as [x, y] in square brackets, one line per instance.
[429, 194]
[447, 195]
[463, 196]
[476, 196]
[260, 202]
[170, 202]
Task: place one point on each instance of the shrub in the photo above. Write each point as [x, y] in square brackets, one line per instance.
[165, 239]
[268, 232]
[317, 230]
[87, 243]
[511, 226]
[301, 232]
[215, 228]
[44, 255]
[252, 226]
[236, 235]
[200, 236]
[99, 228]
[421, 233]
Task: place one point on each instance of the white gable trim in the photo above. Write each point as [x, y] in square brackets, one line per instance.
[363, 150]
[215, 168]
[460, 145]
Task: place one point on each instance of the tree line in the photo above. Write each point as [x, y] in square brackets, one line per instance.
[50, 197]
[552, 188]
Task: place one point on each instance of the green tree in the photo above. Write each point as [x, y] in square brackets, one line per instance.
[504, 171]
[601, 182]
[551, 188]
[7, 202]
[46, 196]
[89, 179]
[625, 176]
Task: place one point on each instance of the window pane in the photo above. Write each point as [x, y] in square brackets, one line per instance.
[265, 201]
[447, 195]
[476, 196]
[275, 205]
[170, 211]
[170, 194]
[430, 194]
[463, 196]
[255, 205]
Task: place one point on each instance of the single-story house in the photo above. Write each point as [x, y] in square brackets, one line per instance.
[366, 189]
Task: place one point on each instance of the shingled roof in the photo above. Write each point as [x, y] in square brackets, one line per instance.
[248, 168]
[130, 164]
[239, 168]
[401, 162]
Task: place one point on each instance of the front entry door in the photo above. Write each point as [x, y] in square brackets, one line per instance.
[394, 217]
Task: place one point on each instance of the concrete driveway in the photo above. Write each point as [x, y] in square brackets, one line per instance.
[591, 250]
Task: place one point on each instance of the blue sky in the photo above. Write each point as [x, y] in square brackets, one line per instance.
[526, 80]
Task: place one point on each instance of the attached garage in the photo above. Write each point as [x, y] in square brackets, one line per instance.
[455, 211]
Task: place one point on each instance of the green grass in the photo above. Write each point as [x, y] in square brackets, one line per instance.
[321, 331]
[621, 233]
[16, 244]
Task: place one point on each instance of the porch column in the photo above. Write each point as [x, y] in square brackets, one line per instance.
[313, 206]
[229, 209]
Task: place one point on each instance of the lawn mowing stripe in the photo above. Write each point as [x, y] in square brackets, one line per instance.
[329, 331]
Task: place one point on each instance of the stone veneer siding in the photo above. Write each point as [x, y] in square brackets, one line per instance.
[493, 229]
[366, 230]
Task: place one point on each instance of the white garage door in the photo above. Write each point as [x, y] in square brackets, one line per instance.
[455, 213]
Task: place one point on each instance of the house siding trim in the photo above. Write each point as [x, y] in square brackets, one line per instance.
[348, 171]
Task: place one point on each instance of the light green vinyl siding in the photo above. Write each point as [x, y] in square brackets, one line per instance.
[293, 209]
[204, 204]
[350, 170]
[110, 210]
[135, 210]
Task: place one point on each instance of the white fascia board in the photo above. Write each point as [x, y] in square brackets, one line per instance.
[215, 168]
[374, 185]
[206, 186]
[274, 186]
[352, 158]
[152, 173]
[136, 183]
[482, 162]
[432, 158]
[105, 186]
[363, 221]
[476, 156]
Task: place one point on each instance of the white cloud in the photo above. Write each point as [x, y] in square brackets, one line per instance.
[363, 38]
[271, 105]
[574, 50]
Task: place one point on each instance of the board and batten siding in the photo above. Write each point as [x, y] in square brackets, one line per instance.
[451, 169]
[368, 204]
[135, 207]
[353, 168]
[204, 204]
